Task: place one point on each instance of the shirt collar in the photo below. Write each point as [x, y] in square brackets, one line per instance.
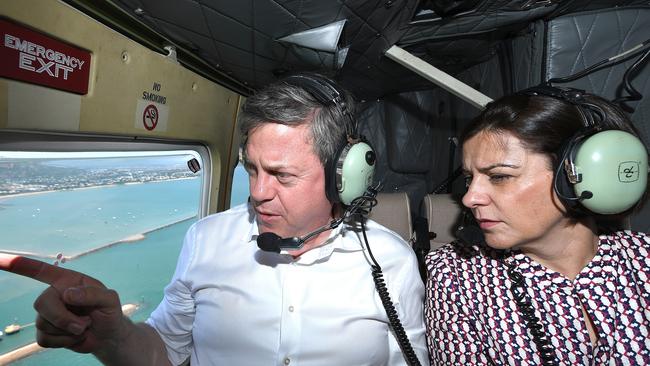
[336, 241]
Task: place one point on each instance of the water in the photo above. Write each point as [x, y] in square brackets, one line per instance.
[70, 222]
[76, 220]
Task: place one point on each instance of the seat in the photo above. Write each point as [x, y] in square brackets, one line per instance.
[393, 211]
[443, 213]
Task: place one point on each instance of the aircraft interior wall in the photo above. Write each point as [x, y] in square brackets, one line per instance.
[415, 128]
[417, 132]
[125, 80]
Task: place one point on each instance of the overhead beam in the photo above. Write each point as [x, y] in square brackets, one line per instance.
[439, 77]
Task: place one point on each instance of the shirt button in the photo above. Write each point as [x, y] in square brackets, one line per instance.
[290, 310]
[287, 361]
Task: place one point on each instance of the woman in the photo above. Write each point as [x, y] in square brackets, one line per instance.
[549, 285]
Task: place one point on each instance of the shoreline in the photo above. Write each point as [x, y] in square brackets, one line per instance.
[13, 195]
[127, 240]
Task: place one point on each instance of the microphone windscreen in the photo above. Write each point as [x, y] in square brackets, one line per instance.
[269, 242]
[470, 234]
[585, 195]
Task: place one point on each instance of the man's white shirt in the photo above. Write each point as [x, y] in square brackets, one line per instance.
[230, 303]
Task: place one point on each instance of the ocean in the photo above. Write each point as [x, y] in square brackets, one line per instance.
[74, 222]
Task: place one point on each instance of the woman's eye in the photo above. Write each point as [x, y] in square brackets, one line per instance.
[468, 180]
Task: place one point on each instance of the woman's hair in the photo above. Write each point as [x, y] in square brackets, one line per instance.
[544, 124]
[292, 105]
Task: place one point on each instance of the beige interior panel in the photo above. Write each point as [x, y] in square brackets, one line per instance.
[125, 78]
[36, 107]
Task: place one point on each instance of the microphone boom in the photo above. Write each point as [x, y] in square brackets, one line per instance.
[271, 242]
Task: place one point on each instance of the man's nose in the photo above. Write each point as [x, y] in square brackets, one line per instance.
[262, 188]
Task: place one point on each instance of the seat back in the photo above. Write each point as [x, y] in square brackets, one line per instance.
[443, 213]
[394, 212]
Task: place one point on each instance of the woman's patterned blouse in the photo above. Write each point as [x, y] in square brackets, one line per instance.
[472, 318]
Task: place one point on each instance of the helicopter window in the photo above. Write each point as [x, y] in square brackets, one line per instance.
[117, 215]
[239, 192]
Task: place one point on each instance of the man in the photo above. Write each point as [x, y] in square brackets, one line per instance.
[230, 302]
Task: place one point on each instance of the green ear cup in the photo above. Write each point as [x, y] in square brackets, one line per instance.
[614, 167]
[356, 172]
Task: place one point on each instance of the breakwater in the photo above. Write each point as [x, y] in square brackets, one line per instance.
[128, 239]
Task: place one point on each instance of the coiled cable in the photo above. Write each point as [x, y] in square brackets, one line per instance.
[541, 340]
[391, 312]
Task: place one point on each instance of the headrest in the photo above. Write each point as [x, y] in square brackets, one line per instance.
[393, 211]
[443, 212]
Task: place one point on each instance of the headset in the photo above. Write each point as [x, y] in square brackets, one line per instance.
[600, 169]
[350, 172]
[348, 180]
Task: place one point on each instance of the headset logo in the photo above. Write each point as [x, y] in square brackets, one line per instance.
[628, 171]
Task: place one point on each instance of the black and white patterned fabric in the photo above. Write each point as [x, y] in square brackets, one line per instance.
[472, 318]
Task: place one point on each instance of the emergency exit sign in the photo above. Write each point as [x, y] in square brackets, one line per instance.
[36, 58]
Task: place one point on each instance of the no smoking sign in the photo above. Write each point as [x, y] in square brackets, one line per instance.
[150, 117]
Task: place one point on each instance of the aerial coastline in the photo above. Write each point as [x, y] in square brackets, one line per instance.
[45, 175]
[129, 239]
[4, 196]
[131, 242]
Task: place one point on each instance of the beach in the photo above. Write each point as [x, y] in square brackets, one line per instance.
[21, 194]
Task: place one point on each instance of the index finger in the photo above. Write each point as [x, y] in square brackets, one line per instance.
[35, 269]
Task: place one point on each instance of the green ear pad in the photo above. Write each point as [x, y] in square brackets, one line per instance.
[614, 167]
[356, 172]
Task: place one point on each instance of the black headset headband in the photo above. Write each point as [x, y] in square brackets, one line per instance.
[326, 93]
[322, 89]
[329, 95]
[571, 95]
[592, 115]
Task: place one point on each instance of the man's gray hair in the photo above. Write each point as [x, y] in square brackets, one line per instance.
[292, 105]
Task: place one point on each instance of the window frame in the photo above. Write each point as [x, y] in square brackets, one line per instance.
[14, 140]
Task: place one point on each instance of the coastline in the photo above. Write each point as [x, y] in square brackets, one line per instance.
[13, 195]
